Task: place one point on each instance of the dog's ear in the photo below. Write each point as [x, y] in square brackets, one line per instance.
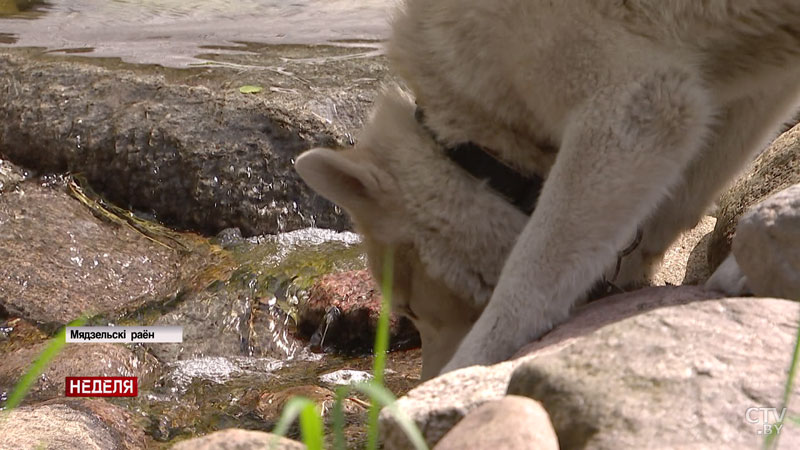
[341, 177]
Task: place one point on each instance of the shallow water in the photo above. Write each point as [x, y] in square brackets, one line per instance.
[174, 32]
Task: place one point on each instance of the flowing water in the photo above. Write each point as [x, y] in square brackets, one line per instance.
[174, 32]
[222, 373]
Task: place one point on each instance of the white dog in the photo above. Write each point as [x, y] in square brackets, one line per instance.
[635, 112]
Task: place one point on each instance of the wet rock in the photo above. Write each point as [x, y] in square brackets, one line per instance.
[186, 144]
[686, 262]
[17, 333]
[229, 237]
[620, 384]
[60, 261]
[356, 301]
[235, 439]
[75, 360]
[511, 423]
[345, 377]
[68, 423]
[271, 404]
[10, 176]
[767, 245]
[777, 168]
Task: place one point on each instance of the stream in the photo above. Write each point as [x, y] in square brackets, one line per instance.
[66, 250]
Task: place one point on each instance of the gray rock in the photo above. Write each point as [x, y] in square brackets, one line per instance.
[71, 424]
[60, 261]
[341, 315]
[439, 404]
[345, 377]
[186, 144]
[511, 423]
[777, 168]
[767, 245]
[236, 439]
[76, 360]
[673, 377]
[10, 175]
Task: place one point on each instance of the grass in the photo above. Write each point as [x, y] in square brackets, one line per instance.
[25, 383]
[311, 429]
[771, 440]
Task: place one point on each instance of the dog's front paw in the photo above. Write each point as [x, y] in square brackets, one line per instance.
[484, 345]
[466, 356]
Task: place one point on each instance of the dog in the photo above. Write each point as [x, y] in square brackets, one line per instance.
[548, 145]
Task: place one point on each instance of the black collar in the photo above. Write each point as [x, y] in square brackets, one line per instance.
[520, 190]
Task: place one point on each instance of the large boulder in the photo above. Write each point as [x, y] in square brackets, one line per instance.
[766, 245]
[681, 376]
[236, 439]
[511, 423]
[60, 261]
[71, 423]
[664, 367]
[186, 144]
[77, 360]
[777, 168]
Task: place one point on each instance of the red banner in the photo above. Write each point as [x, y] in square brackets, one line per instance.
[101, 387]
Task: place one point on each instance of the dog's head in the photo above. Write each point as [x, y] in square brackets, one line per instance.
[450, 233]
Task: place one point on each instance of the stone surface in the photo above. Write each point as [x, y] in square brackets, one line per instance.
[670, 378]
[60, 261]
[511, 423]
[777, 168]
[75, 360]
[345, 377]
[767, 245]
[686, 261]
[10, 176]
[352, 329]
[438, 404]
[71, 424]
[236, 439]
[270, 405]
[186, 144]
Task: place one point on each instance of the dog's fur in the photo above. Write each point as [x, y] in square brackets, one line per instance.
[637, 112]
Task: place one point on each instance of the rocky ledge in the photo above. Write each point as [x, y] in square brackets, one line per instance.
[187, 145]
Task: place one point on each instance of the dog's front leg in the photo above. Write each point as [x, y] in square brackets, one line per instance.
[620, 154]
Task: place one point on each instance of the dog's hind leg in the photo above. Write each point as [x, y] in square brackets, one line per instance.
[620, 153]
[743, 127]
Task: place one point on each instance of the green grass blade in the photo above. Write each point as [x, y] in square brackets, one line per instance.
[381, 345]
[54, 347]
[771, 440]
[338, 417]
[311, 427]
